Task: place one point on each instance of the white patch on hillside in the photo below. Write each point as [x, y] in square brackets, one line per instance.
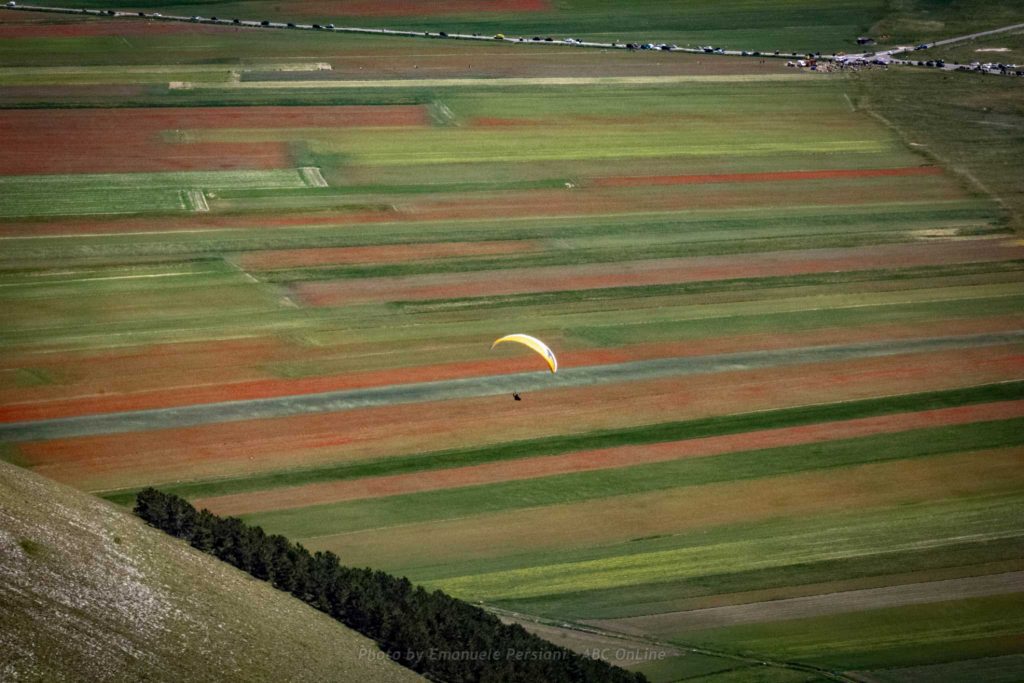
[76, 584]
[312, 177]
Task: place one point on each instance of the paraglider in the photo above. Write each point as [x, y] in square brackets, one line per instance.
[534, 344]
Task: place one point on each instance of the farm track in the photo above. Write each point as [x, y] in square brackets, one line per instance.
[475, 387]
[551, 630]
[507, 82]
[818, 605]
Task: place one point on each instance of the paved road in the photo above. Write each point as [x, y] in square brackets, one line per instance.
[473, 387]
[889, 55]
[886, 56]
[267, 24]
[972, 36]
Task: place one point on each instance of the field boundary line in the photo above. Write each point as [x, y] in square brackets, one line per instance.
[836, 602]
[692, 649]
[945, 163]
[542, 81]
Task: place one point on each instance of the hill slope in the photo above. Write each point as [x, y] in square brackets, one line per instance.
[89, 589]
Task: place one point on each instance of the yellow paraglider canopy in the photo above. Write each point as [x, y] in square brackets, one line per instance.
[532, 343]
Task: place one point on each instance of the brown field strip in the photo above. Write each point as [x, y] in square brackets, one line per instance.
[128, 225]
[75, 27]
[672, 623]
[618, 519]
[396, 253]
[407, 8]
[150, 140]
[645, 181]
[605, 458]
[652, 272]
[240, 448]
[14, 94]
[587, 201]
[93, 375]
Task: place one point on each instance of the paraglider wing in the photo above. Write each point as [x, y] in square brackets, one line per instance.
[532, 343]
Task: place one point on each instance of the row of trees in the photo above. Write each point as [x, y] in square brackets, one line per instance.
[430, 632]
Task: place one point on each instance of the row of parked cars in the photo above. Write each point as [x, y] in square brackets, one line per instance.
[994, 68]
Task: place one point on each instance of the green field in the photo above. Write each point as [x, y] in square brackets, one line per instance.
[129, 193]
[787, 308]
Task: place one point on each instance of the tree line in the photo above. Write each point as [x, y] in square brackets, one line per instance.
[432, 633]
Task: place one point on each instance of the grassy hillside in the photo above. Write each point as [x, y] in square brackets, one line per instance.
[89, 592]
[915, 21]
[969, 123]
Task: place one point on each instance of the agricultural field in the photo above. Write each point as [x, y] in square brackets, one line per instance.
[263, 270]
